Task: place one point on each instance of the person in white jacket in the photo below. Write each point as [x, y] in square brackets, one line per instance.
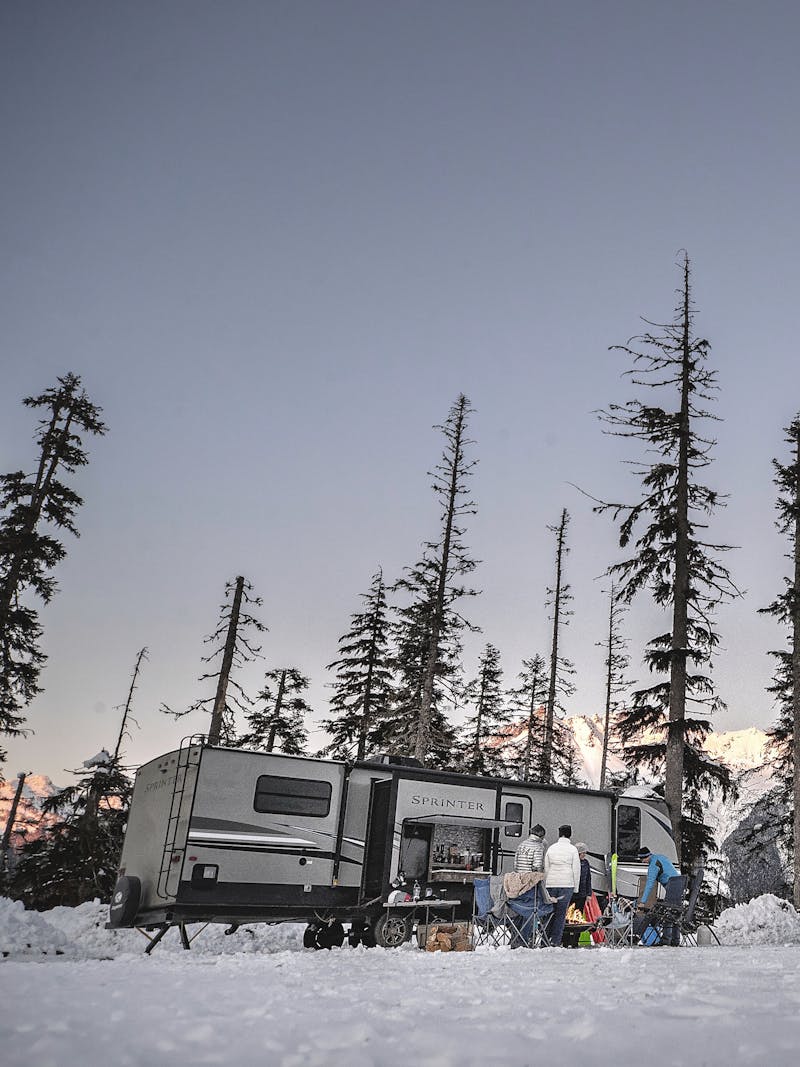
[562, 876]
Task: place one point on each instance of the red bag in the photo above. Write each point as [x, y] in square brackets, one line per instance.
[592, 912]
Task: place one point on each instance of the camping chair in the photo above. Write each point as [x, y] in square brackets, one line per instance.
[617, 922]
[661, 922]
[487, 928]
[528, 919]
[666, 917]
[523, 922]
[692, 919]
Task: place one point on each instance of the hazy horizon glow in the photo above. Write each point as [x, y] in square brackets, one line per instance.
[277, 240]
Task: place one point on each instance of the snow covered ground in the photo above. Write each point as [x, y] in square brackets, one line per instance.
[259, 998]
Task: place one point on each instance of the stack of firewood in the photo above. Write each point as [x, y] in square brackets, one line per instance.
[449, 937]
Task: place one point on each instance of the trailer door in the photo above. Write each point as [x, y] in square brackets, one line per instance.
[516, 810]
[378, 854]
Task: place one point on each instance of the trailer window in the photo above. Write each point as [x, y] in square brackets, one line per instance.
[292, 796]
[629, 831]
[513, 814]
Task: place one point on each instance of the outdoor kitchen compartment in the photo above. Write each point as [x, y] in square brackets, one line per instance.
[458, 851]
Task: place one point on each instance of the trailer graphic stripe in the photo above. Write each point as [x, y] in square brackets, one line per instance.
[207, 831]
[271, 851]
[251, 839]
[199, 822]
[326, 833]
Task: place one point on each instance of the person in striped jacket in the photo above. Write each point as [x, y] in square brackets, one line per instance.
[530, 854]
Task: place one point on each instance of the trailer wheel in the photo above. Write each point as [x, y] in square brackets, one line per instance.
[323, 935]
[330, 936]
[391, 931]
[360, 933]
[310, 936]
[125, 901]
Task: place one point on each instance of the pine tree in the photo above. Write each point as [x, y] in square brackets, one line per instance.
[76, 859]
[363, 685]
[673, 559]
[526, 705]
[616, 664]
[235, 625]
[569, 765]
[484, 731]
[449, 557]
[33, 508]
[560, 686]
[410, 636]
[279, 725]
[784, 743]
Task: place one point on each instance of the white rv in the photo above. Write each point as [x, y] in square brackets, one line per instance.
[232, 836]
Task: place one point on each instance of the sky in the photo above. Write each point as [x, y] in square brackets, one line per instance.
[277, 240]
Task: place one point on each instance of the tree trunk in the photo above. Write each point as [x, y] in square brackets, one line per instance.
[437, 617]
[215, 729]
[12, 815]
[367, 707]
[611, 678]
[476, 747]
[609, 691]
[363, 729]
[673, 789]
[549, 724]
[126, 712]
[531, 723]
[273, 730]
[526, 766]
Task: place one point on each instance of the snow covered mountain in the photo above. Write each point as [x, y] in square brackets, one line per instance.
[741, 750]
[587, 735]
[30, 819]
[744, 752]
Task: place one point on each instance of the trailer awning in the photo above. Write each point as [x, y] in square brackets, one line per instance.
[466, 820]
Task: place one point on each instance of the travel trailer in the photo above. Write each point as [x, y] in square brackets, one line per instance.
[231, 836]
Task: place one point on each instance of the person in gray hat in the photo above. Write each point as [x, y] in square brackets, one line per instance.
[585, 886]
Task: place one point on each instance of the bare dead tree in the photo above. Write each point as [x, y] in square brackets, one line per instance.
[449, 481]
[126, 713]
[235, 624]
[558, 685]
[616, 664]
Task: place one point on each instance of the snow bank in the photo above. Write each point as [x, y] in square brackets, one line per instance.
[766, 920]
[80, 933]
[26, 933]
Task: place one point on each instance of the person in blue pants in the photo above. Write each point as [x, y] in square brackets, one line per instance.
[562, 871]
